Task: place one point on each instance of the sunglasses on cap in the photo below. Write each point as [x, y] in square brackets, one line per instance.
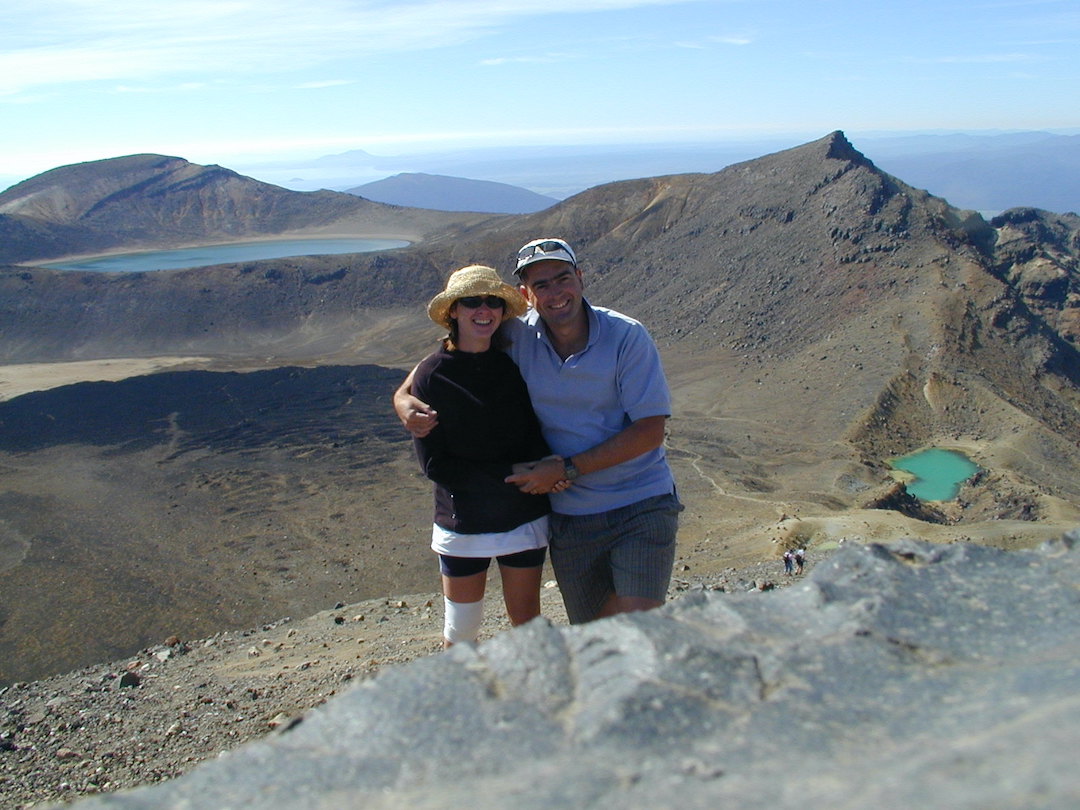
[475, 301]
[546, 246]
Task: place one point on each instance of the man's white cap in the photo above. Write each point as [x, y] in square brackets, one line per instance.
[542, 250]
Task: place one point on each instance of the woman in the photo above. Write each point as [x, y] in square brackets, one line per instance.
[486, 424]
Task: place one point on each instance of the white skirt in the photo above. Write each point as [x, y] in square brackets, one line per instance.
[491, 544]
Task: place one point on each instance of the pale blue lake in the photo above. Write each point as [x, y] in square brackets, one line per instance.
[224, 254]
[938, 473]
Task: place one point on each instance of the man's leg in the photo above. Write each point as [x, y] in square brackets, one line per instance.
[643, 554]
[626, 604]
[615, 562]
[579, 560]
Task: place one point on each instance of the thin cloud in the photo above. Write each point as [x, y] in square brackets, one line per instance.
[59, 41]
[544, 59]
[326, 83]
[185, 87]
[732, 40]
[980, 59]
[707, 42]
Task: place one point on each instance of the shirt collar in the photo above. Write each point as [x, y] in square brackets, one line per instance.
[536, 326]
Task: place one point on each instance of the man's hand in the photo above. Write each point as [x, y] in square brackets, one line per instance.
[420, 419]
[539, 477]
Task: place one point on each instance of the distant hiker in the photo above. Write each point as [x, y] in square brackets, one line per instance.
[599, 390]
[486, 424]
[800, 559]
[789, 562]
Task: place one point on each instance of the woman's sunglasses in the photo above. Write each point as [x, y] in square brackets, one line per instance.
[475, 301]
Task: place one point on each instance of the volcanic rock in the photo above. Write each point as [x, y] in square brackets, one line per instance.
[899, 675]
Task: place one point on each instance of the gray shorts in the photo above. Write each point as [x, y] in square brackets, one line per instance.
[628, 552]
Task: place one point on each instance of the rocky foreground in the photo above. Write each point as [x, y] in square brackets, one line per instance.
[899, 675]
[156, 715]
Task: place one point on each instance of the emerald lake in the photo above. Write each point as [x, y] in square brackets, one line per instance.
[938, 473]
[144, 261]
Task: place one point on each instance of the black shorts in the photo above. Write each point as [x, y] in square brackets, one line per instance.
[467, 566]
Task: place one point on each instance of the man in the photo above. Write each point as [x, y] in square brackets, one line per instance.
[598, 388]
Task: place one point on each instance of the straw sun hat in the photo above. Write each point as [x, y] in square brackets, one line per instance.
[476, 279]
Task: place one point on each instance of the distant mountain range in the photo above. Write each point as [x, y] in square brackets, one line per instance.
[982, 172]
[552, 171]
[442, 193]
[989, 173]
[153, 200]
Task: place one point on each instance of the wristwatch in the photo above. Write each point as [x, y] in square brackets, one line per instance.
[569, 470]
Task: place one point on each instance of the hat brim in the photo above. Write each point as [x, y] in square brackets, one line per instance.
[440, 305]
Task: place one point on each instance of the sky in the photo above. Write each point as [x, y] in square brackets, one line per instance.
[236, 82]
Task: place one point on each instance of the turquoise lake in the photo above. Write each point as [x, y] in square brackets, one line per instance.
[938, 473]
[224, 254]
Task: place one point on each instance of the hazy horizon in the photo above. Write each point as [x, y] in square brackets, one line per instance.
[562, 170]
[246, 82]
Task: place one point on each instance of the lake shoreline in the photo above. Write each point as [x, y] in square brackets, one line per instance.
[55, 263]
[934, 474]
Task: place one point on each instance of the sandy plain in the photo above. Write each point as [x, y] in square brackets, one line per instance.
[25, 378]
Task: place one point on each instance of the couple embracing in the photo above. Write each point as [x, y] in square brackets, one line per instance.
[541, 422]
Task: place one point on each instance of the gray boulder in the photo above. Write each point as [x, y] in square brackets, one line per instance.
[900, 675]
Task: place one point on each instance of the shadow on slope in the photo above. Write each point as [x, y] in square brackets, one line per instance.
[189, 502]
[218, 411]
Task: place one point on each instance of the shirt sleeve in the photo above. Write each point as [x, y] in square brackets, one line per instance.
[643, 388]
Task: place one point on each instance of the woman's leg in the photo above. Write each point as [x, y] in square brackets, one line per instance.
[521, 573]
[521, 592]
[463, 582]
[463, 599]
[465, 589]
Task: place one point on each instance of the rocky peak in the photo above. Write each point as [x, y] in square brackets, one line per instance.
[840, 148]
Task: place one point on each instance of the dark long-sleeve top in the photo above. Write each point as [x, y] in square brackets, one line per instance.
[486, 424]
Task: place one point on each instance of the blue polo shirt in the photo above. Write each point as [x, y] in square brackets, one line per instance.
[593, 395]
